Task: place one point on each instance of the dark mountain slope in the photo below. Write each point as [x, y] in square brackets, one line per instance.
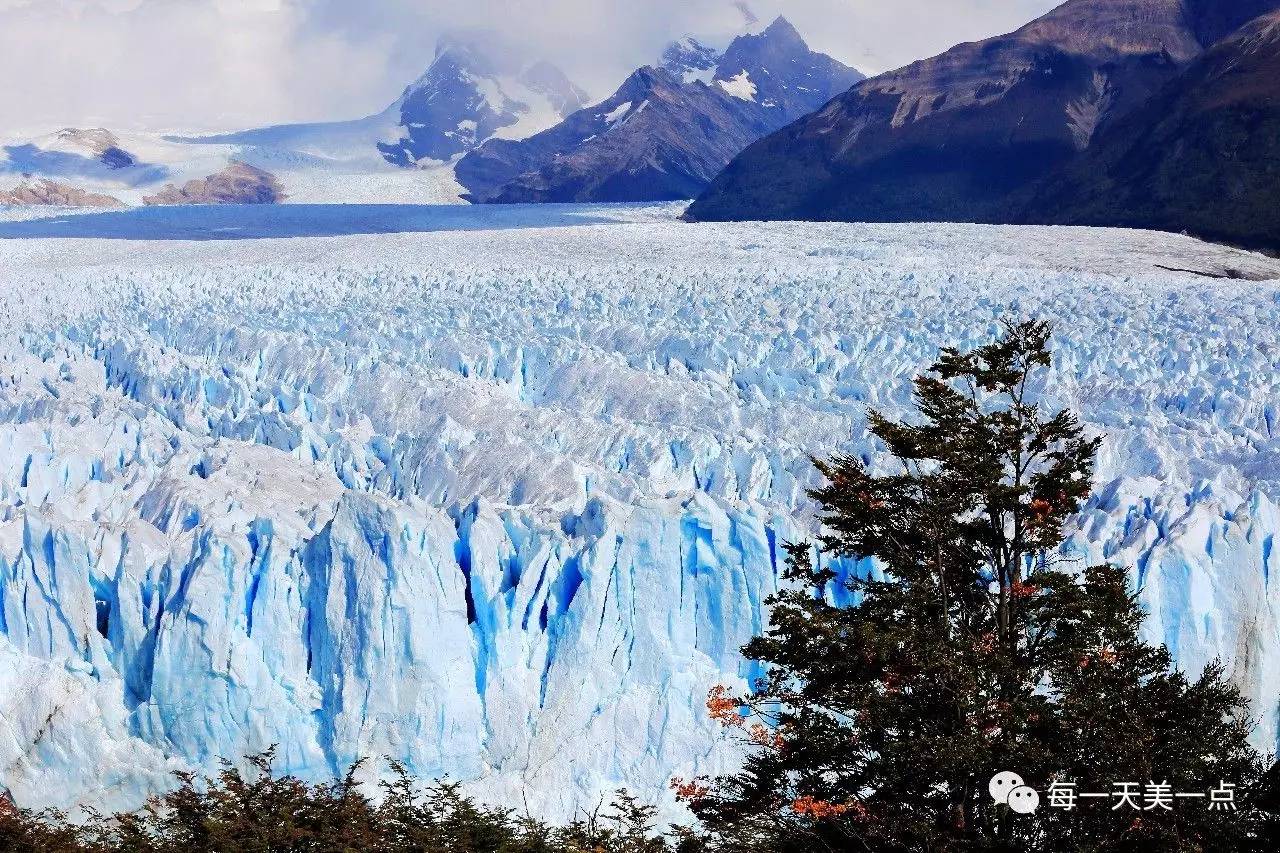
[1214, 20]
[1202, 156]
[964, 135]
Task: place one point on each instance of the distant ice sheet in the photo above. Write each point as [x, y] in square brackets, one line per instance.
[258, 221]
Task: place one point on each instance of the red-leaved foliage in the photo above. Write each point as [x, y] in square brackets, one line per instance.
[724, 708]
[816, 809]
[690, 791]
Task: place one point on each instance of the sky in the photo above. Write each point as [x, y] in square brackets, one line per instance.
[222, 64]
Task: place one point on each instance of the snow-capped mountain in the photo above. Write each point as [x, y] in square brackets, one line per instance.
[472, 93]
[776, 71]
[691, 60]
[476, 88]
[964, 135]
[668, 129]
[655, 138]
[504, 504]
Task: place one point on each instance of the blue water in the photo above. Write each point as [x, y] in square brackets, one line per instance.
[254, 221]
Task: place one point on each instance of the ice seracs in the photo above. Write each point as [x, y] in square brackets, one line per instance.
[504, 504]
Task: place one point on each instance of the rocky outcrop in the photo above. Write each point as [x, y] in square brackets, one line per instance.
[80, 157]
[99, 143]
[239, 183]
[52, 193]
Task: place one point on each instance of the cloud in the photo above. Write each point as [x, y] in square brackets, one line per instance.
[175, 63]
[210, 64]
[876, 36]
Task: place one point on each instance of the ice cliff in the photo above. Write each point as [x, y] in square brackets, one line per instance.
[504, 504]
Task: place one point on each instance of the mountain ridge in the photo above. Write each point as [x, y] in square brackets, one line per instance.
[668, 129]
[962, 135]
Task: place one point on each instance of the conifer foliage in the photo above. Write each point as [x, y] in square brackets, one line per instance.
[978, 648]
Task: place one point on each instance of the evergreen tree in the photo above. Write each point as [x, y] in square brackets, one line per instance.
[979, 650]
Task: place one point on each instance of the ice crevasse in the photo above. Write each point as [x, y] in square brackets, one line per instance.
[418, 497]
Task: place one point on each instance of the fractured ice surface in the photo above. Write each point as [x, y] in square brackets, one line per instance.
[504, 504]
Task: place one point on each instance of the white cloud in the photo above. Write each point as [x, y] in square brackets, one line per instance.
[175, 63]
[205, 64]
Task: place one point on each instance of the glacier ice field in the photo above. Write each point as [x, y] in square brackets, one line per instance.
[502, 503]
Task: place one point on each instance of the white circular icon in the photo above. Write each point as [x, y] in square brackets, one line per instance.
[1024, 800]
[1002, 783]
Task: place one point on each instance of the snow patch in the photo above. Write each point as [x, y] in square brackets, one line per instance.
[617, 112]
[739, 86]
[705, 76]
[535, 110]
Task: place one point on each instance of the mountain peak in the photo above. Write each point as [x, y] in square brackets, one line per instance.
[477, 51]
[779, 38]
[690, 59]
[478, 86]
[456, 42]
[782, 28]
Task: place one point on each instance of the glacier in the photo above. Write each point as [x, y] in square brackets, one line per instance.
[503, 503]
